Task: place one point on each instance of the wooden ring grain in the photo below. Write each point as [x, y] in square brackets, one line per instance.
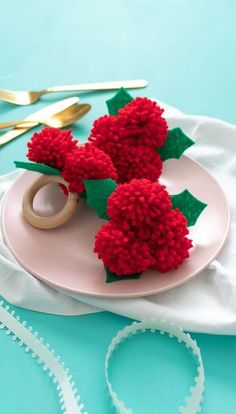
[56, 220]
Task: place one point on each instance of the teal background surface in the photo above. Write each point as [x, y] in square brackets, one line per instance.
[185, 49]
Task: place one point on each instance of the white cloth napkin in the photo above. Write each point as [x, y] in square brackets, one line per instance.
[205, 304]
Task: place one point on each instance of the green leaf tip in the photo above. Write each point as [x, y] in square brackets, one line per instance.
[112, 277]
[190, 206]
[119, 100]
[38, 167]
[83, 195]
[175, 145]
[98, 192]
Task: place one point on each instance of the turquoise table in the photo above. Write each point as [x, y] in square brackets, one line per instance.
[186, 51]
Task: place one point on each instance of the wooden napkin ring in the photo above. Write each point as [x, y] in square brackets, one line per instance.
[56, 220]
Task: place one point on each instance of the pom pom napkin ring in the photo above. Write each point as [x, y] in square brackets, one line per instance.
[56, 220]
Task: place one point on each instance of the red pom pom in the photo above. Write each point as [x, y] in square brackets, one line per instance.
[138, 202]
[142, 123]
[137, 162]
[169, 244]
[87, 162]
[105, 135]
[121, 252]
[51, 146]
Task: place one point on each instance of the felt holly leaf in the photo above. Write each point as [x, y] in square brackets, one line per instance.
[83, 195]
[36, 166]
[112, 277]
[175, 144]
[189, 206]
[121, 98]
[98, 192]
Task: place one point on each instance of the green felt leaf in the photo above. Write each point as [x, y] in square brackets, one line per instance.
[175, 145]
[83, 195]
[98, 192]
[189, 206]
[121, 98]
[36, 166]
[112, 277]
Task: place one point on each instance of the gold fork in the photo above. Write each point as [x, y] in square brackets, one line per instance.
[27, 98]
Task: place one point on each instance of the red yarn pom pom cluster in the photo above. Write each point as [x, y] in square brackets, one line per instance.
[144, 231]
[131, 139]
[58, 149]
[87, 162]
[51, 146]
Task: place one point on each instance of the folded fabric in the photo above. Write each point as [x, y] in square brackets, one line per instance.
[205, 304]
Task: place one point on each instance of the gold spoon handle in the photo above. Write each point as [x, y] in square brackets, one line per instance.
[20, 124]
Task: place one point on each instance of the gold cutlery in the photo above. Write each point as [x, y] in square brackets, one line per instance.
[27, 98]
[44, 113]
[61, 119]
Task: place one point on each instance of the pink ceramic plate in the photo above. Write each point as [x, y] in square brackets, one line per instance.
[64, 257]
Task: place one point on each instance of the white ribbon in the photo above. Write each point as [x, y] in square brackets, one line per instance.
[68, 396]
[193, 401]
[45, 356]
